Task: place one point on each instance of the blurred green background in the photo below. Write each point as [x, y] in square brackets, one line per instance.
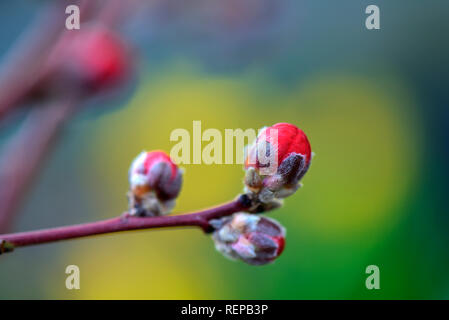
[373, 103]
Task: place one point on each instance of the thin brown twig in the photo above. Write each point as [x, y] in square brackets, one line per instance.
[123, 223]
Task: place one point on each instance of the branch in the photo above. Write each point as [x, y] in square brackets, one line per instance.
[21, 70]
[24, 153]
[123, 223]
[20, 73]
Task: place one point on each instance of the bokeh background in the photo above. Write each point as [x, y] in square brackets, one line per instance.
[373, 103]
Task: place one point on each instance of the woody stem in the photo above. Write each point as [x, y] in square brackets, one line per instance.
[123, 223]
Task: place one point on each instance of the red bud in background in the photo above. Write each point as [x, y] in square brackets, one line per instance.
[93, 57]
[253, 239]
[155, 182]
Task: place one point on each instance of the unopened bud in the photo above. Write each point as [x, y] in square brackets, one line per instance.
[253, 239]
[155, 182]
[276, 162]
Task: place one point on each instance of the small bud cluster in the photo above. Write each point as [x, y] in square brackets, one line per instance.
[253, 239]
[155, 182]
[275, 164]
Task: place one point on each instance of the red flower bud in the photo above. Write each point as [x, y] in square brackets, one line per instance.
[155, 182]
[251, 238]
[276, 162]
[92, 57]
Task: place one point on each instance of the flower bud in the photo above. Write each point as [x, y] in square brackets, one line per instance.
[251, 238]
[276, 162]
[92, 58]
[155, 182]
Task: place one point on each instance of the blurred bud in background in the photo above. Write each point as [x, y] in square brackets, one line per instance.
[87, 60]
[155, 182]
[253, 239]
